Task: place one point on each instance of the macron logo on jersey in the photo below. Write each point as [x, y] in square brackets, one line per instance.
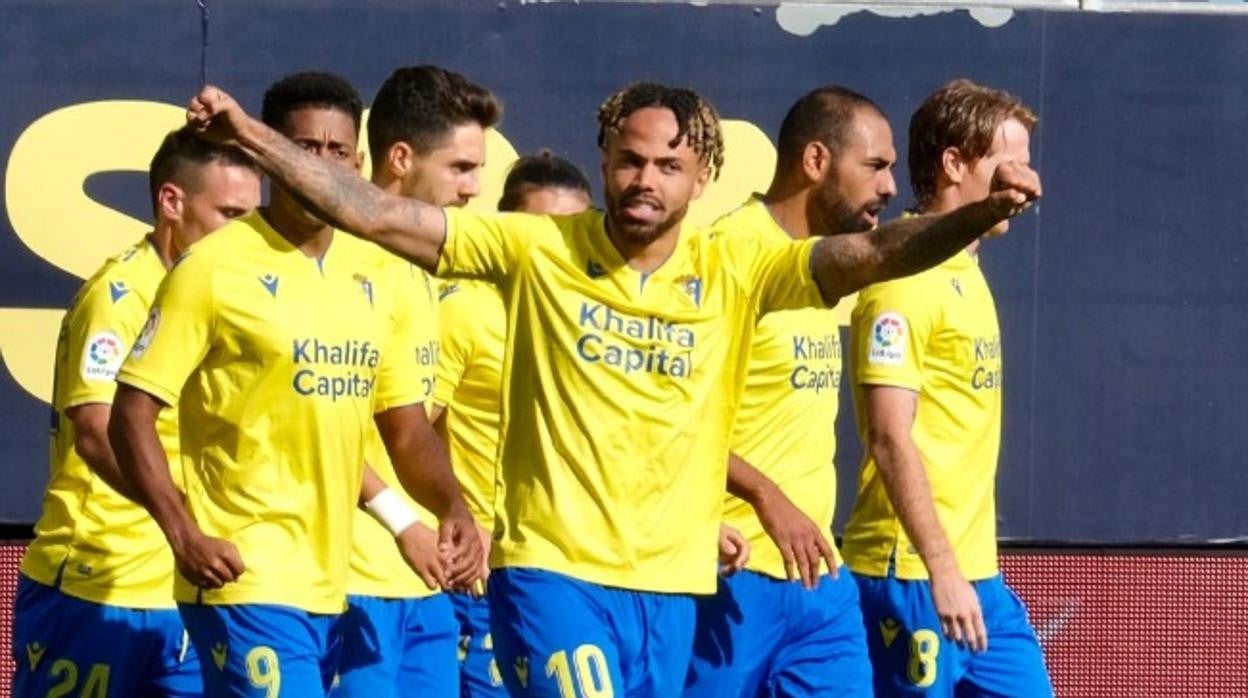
[117, 290]
[269, 281]
[692, 285]
[957, 285]
[595, 270]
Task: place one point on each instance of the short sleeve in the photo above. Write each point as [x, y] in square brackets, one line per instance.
[455, 350]
[480, 247]
[400, 376]
[178, 331]
[890, 330]
[776, 273]
[97, 335]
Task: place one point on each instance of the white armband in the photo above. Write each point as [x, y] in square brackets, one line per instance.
[391, 511]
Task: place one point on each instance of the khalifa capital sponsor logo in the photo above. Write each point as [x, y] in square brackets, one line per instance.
[888, 340]
[102, 357]
[145, 336]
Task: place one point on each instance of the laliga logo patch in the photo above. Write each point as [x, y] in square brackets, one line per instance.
[145, 337]
[103, 356]
[888, 340]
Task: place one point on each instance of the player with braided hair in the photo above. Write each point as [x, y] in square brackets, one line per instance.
[627, 346]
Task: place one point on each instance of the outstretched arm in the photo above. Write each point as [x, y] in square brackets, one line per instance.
[890, 415]
[842, 264]
[339, 196]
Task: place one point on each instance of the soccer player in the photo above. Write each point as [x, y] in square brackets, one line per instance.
[763, 634]
[427, 135]
[626, 341]
[282, 342]
[545, 184]
[467, 406]
[94, 613]
[922, 539]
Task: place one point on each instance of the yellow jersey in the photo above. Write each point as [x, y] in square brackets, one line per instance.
[934, 333]
[619, 390]
[470, 378]
[277, 363]
[101, 546]
[377, 568]
[786, 423]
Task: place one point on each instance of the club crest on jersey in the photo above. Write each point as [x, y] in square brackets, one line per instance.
[888, 340]
[145, 336]
[692, 285]
[269, 281]
[366, 286]
[957, 285]
[117, 290]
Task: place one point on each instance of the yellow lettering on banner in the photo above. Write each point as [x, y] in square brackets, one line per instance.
[749, 161]
[28, 345]
[53, 158]
[499, 154]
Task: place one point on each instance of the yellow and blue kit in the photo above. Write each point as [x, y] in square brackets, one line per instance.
[619, 395]
[95, 602]
[761, 634]
[277, 362]
[473, 324]
[936, 334]
[397, 632]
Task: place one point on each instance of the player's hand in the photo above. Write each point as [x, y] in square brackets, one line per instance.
[957, 604]
[734, 550]
[801, 542]
[207, 562]
[214, 114]
[459, 545]
[487, 542]
[418, 544]
[1014, 187]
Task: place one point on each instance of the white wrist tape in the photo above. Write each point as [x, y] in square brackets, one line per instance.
[391, 511]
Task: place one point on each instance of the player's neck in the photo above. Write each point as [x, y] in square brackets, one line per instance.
[311, 237]
[648, 256]
[789, 211]
[161, 240]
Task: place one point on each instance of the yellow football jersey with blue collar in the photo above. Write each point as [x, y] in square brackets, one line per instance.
[277, 362]
[786, 424]
[934, 333]
[620, 390]
[103, 547]
[470, 378]
[377, 568]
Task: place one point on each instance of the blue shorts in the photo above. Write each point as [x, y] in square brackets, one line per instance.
[478, 672]
[64, 645]
[263, 650]
[558, 636]
[398, 646]
[761, 636]
[912, 657]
